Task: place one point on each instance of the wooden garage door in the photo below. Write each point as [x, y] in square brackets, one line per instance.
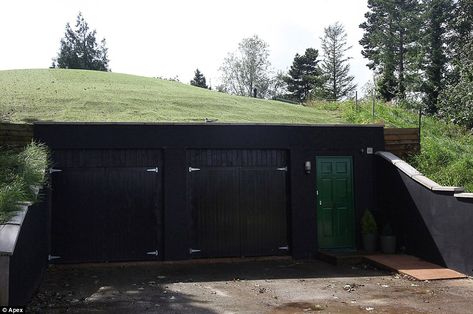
[238, 200]
[106, 205]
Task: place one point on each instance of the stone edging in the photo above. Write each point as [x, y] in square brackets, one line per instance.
[415, 175]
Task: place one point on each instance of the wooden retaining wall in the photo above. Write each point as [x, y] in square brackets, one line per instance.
[15, 135]
[402, 141]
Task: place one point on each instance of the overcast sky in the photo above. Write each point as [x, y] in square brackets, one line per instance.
[169, 38]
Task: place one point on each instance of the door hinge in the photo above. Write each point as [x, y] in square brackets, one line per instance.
[193, 169]
[153, 170]
[286, 248]
[192, 251]
[282, 169]
[317, 191]
[320, 203]
[52, 170]
[53, 257]
[153, 253]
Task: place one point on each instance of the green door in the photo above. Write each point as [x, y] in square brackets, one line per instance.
[335, 214]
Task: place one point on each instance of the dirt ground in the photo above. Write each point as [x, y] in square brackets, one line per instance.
[268, 286]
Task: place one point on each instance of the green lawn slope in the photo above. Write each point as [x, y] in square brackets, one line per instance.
[78, 95]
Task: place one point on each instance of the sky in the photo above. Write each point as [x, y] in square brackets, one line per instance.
[173, 38]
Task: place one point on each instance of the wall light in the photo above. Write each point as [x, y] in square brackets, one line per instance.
[307, 167]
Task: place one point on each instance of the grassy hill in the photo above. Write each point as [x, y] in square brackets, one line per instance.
[78, 95]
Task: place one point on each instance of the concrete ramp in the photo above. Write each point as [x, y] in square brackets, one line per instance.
[414, 267]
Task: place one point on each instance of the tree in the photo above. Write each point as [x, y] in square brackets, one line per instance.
[304, 75]
[278, 86]
[80, 50]
[456, 100]
[437, 16]
[247, 68]
[390, 42]
[335, 66]
[199, 79]
[461, 32]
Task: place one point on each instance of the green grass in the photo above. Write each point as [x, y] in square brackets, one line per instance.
[19, 170]
[446, 149]
[78, 95]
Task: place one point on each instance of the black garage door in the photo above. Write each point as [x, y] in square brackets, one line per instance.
[106, 205]
[238, 201]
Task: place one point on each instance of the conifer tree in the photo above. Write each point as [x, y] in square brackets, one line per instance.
[461, 34]
[390, 42]
[437, 18]
[199, 79]
[335, 66]
[304, 75]
[456, 99]
[80, 50]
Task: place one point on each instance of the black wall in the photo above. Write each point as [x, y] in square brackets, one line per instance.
[303, 143]
[435, 226]
[30, 258]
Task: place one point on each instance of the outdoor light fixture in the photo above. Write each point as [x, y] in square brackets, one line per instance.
[307, 167]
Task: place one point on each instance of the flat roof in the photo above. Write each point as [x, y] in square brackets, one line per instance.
[213, 123]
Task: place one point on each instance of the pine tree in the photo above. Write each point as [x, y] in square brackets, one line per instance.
[390, 42]
[456, 100]
[437, 14]
[80, 50]
[199, 79]
[304, 75]
[335, 66]
[461, 33]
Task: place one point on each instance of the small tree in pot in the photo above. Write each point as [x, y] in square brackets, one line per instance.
[369, 231]
[388, 240]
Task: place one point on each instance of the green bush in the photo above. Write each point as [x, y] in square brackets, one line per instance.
[368, 223]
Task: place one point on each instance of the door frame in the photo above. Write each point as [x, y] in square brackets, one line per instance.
[353, 215]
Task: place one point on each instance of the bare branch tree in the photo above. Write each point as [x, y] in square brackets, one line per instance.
[247, 68]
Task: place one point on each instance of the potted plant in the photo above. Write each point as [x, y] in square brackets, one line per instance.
[388, 240]
[369, 231]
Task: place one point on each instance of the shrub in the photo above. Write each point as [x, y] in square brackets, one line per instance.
[368, 223]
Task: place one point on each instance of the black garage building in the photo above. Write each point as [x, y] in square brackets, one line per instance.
[124, 191]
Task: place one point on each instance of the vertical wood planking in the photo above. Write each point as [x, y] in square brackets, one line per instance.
[106, 205]
[238, 202]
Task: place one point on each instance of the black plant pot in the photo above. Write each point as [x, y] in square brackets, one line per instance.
[369, 242]
[388, 244]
